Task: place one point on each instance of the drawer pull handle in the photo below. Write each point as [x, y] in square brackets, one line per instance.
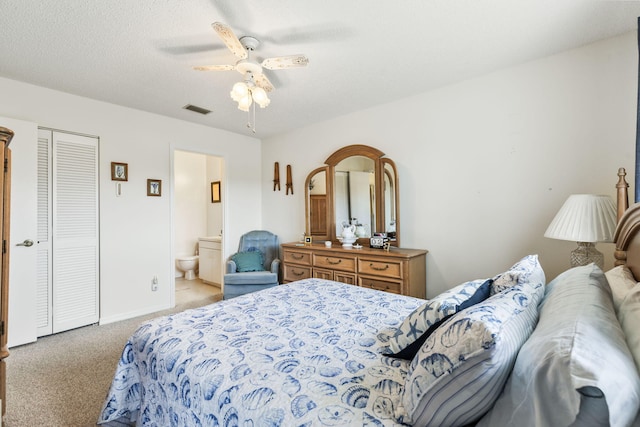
[386, 267]
[297, 256]
[333, 262]
[297, 274]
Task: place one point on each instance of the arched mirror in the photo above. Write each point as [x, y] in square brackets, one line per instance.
[357, 186]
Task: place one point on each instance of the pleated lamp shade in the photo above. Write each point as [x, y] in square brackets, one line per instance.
[586, 219]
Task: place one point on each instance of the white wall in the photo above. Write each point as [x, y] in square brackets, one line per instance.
[135, 230]
[485, 164]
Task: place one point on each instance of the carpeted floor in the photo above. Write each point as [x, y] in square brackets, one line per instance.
[62, 379]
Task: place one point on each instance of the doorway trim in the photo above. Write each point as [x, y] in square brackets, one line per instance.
[177, 146]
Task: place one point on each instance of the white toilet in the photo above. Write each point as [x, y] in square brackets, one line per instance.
[188, 265]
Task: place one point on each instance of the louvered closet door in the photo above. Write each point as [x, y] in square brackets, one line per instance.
[44, 312]
[75, 231]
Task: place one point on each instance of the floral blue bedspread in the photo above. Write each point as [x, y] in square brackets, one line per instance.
[309, 353]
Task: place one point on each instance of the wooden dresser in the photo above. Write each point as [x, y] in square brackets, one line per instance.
[401, 271]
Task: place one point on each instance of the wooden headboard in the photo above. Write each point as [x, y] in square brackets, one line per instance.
[626, 238]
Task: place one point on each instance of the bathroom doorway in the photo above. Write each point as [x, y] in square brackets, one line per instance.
[198, 216]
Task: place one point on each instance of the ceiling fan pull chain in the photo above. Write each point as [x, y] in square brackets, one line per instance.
[253, 129]
[251, 121]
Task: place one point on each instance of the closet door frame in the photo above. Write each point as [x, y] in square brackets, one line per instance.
[72, 270]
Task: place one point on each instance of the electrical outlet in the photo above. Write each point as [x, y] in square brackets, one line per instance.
[154, 283]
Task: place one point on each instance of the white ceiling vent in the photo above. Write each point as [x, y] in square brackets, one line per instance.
[196, 109]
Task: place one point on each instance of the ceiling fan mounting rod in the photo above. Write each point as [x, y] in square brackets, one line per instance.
[249, 43]
[248, 65]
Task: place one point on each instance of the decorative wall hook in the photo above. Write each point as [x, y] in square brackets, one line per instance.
[276, 176]
[289, 181]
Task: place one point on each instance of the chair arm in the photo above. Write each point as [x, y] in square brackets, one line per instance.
[275, 266]
[231, 267]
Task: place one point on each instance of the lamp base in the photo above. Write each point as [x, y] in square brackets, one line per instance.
[586, 253]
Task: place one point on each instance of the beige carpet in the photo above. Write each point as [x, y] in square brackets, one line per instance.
[62, 379]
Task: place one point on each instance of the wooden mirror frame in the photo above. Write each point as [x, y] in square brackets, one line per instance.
[379, 169]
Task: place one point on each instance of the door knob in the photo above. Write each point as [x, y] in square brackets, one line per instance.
[27, 243]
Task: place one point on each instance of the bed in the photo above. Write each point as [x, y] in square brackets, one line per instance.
[504, 350]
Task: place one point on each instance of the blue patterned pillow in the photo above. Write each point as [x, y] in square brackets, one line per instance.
[421, 323]
[248, 261]
[528, 269]
[462, 367]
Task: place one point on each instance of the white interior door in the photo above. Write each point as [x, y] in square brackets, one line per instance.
[75, 249]
[22, 258]
[44, 291]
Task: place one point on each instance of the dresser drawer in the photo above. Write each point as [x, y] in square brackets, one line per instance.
[344, 277]
[334, 263]
[380, 285]
[386, 268]
[296, 272]
[321, 273]
[296, 257]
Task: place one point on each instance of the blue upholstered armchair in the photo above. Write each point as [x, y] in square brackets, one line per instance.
[255, 266]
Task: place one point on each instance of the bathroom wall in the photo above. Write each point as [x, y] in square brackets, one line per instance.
[189, 198]
[215, 172]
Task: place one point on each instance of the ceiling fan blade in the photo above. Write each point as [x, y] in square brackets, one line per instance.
[263, 82]
[230, 39]
[215, 68]
[281, 62]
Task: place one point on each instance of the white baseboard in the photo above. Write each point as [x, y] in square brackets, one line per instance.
[130, 315]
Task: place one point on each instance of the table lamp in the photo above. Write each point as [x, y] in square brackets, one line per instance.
[586, 219]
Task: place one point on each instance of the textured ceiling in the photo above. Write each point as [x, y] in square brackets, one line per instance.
[362, 53]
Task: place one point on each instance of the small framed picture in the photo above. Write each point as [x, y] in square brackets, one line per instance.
[154, 187]
[119, 171]
[215, 192]
[308, 240]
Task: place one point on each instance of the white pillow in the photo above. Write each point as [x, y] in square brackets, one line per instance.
[621, 281]
[462, 367]
[629, 317]
[577, 346]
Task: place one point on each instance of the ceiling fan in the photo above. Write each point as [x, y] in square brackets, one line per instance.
[248, 67]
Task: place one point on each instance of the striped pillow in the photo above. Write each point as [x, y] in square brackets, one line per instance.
[462, 367]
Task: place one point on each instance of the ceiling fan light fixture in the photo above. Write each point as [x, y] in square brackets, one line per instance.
[245, 102]
[260, 97]
[239, 91]
[248, 92]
